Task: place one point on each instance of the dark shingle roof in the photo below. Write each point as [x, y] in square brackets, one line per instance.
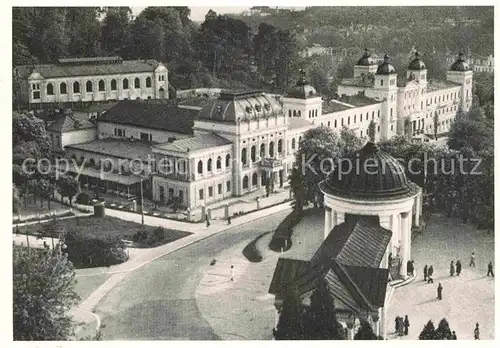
[120, 148]
[347, 260]
[68, 70]
[152, 115]
[199, 141]
[71, 122]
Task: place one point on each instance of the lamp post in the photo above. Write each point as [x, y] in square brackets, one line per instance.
[142, 205]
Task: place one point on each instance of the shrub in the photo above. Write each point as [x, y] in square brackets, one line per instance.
[83, 198]
[283, 235]
[91, 251]
[140, 236]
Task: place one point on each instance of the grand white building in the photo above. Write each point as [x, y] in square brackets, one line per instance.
[95, 79]
[236, 143]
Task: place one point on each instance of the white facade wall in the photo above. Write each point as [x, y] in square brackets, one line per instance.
[153, 92]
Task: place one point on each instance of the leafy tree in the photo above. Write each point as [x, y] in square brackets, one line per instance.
[44, 189]
[290, 324]
[320, 320]
[371, 131]
[43, 294]
[348, 141]
[115, 28]
[30, 139]
[68, 187]
[365, 332]
[476, 132]
[16, 199]
[429, 332]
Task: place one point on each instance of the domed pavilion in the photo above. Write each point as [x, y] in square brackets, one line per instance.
[369, 205]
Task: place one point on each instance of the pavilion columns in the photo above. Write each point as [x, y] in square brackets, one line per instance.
[405, 246]
[417, 209]
[332, 219]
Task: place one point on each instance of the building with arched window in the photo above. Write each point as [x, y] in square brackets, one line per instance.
[90, 80]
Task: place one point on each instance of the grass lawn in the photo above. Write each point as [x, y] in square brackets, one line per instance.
[87, 284]
[106, 226]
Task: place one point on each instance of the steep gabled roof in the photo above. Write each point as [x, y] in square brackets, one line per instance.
[71, 122]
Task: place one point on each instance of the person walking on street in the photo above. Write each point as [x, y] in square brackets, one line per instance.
[472, 260]
[401, 326]
[229, 220]
[459, 267]
[490, 270]
[476, 332]
[440, 292]
[425, 273]
[452, 269]
[407, 325]
[208, 220]
[453, 335]
[396, 324]
[430, 272]
[409, 268]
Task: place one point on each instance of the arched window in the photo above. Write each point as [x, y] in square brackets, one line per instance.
[101, 86]
[244, 156]
[252, 153]
[294, 113]
[219, 164]
[148, 82]
[209, 165]
[289, 113]
[62, 88]
[113, 85]
[280, 146]
[50, 89]
[293, 143]
[137, 83]
[92, 162]
[228, 160]
[245, 182]
[125, 83]
[254, 179]
[200, 167]
[262, 151]
[76, 87]
[271, 149]
[88, 86]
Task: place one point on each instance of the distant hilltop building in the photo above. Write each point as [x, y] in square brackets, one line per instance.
[478, 63]
[86, 80]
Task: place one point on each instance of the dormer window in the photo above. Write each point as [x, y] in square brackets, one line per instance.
[219, 109]
[267, 107]
[258, 108]
[248, 109]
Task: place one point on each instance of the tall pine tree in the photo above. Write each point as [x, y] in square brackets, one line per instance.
[320, 320]
[290, 322]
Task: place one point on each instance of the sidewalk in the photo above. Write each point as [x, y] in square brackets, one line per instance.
[145, 256]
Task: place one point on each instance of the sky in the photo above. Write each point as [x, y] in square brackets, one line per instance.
[198, 13]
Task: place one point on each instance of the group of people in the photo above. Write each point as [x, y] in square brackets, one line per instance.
[402, 325]
[428, 272]
[458, 269]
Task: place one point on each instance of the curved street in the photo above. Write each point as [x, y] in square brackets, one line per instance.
[157, 302]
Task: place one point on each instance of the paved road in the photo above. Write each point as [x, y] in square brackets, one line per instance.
[158, 302]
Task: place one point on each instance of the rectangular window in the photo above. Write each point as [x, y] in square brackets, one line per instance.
[349, 120]
[228, 186]
[354, 118]
[391, 112]
[392, 127]
[144, 136]
[36, 95]
[210, 191]
[378, 114]
[335, 123]
[170, 193]
[421, 105]
[381, 82]
[378, 129]
[361, 134]
[328, 124]
[219, 189]
[342, 122]
[201, 193]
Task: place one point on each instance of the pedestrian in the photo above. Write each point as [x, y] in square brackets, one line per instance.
[390, 259]
[409, 268]
[490, 269]
[453, 335]
[401, 326]
[459, 267]
[232, 273]
[425, 273]
[412, 268]
[396, 326]
[407, 325]
[229, 220]
[452, 269]
[472, 260]
[440, 292]
[476, 332]
[208, 223]
[430, 272]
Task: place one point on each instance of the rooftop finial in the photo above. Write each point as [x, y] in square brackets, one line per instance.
[461, 56]
[386, 58]
[417, 54]
[303, 77]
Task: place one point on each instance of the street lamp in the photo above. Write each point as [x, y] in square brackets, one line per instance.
[142, 205]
